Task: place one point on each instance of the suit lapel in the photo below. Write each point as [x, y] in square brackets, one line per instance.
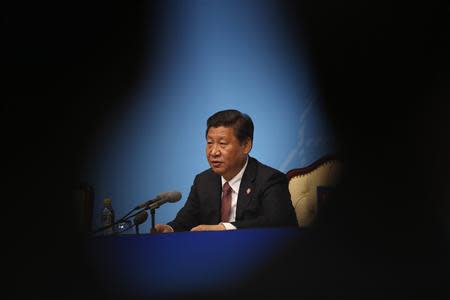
[247, 188]
[215, 193]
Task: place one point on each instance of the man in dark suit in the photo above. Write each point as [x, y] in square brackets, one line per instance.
[237, 191]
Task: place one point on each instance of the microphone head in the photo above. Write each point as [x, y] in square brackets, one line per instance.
[170, 197]
[140, 218]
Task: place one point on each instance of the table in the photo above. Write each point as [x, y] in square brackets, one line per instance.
[184, 262]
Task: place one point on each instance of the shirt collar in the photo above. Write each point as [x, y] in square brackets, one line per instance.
[236, 180]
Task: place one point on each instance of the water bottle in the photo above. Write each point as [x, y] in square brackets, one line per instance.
[107, 217]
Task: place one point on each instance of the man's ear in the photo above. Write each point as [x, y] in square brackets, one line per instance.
[248, 144]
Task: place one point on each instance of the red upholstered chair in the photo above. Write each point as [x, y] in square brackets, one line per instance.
[303, 183]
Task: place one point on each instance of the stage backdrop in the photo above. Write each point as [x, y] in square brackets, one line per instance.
[212, 55]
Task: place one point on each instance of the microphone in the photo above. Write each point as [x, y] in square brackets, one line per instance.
[153, 203]
[160, 199]
[139, 219]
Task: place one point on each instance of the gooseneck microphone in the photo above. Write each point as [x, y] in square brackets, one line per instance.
[139, 219]
[156, 202]
[160, 200]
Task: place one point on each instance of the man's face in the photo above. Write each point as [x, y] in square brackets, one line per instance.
[224, 152]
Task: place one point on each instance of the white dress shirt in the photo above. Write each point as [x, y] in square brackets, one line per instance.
[234, 183]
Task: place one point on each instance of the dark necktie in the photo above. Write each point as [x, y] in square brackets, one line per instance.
[226, 203]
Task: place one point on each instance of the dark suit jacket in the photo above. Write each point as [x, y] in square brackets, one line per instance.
[267, 204]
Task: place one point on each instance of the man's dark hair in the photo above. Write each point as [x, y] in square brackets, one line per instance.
[240, 122]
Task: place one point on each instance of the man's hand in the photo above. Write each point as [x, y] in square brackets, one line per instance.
[162, 228]
[217, 227]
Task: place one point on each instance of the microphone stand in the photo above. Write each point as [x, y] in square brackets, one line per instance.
[153, 207]
[152, 212]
